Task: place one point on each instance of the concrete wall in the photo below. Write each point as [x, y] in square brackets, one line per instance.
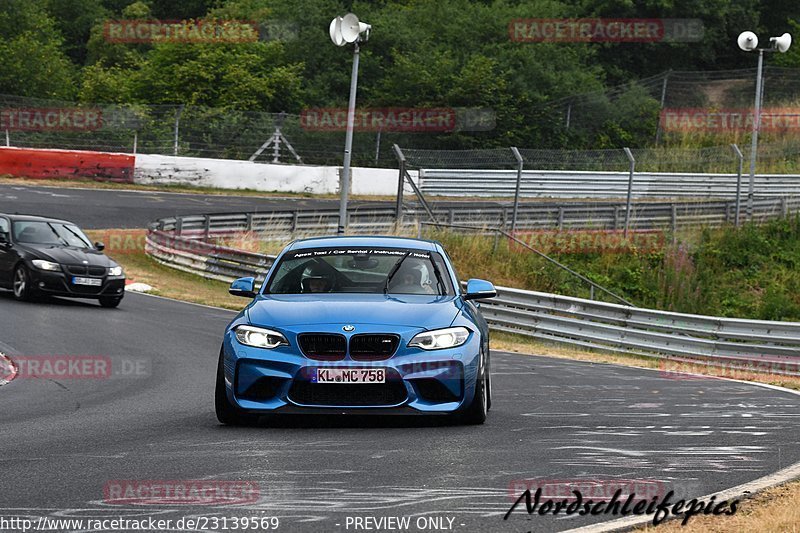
[201, 172]
[54, 164]
[236, 174]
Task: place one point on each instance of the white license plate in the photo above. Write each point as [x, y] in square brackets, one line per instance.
[94, 282]
[350, 375]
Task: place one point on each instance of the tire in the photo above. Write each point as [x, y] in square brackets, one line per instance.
[110, 301]
[227, 413]
[22, 283]
[475, 413]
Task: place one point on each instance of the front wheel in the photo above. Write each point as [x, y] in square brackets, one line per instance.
[475, 413]
[110, 301]
[22, 283]
[227, 413]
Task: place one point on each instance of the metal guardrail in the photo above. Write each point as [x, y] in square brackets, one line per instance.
[577, 184]
[757, 344]
[531, 216]
[753, 344]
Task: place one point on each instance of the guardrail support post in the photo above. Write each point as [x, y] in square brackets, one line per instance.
[207, 226]
[740, 157]
[398, 209]
[674, 219]
[630, 190]
[784, 207]
[178, 225]
[249, 223]
[520, 164]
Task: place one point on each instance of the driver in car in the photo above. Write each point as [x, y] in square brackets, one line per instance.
[317, 280]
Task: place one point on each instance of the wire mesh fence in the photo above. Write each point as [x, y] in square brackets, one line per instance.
[686, 121]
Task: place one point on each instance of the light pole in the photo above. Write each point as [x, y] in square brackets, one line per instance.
[343, 30]
[748, 41]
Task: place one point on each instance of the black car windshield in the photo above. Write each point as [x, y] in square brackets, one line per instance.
[53, 233]
[361, 270]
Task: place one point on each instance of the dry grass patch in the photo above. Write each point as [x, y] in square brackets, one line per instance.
[771, 511]
[166, 281]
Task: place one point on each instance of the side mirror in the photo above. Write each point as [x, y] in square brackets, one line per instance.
[479, 288]
[4, 237]
[99, 246]
[243, 287]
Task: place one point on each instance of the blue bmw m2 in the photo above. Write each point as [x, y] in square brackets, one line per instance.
[369, 325]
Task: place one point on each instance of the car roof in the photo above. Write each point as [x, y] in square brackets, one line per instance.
[382, 241]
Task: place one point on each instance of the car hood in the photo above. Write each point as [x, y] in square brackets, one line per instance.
[68, 255]
[421, 311]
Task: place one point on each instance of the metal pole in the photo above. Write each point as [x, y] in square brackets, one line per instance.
[177, 122]
[378, 145]
[520, 164]
[663, 100]
[8, 138]
[135, 141]
[754, 143]
[630, 190]
[569, 115]
[348, 145]
[740, 157]
[401, 159]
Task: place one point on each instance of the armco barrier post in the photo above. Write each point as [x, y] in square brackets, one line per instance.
[630, 190]
[520, 164]
[740, 157]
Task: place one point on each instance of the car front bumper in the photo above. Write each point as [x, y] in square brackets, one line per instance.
[280, 380]
[60, 284]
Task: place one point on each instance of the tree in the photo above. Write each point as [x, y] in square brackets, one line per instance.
[34, 63]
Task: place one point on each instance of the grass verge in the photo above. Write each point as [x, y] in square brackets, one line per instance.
[167, 281]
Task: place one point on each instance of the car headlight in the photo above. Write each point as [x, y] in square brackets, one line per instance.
[260, 337]
[439, 339]
[115, 271]
[46, 265]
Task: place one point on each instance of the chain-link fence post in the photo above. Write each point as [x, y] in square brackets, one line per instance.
[8, 138]
[178, 112]
[398, 208]
[520, 164]
[740, 157]
[629, 154]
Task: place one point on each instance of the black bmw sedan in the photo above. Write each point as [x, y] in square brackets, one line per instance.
[47, 256]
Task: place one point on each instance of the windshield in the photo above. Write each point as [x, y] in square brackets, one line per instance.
[55, 233]
[368, 270]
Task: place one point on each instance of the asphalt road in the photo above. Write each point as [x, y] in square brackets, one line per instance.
[64, 440]
[116, 208]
